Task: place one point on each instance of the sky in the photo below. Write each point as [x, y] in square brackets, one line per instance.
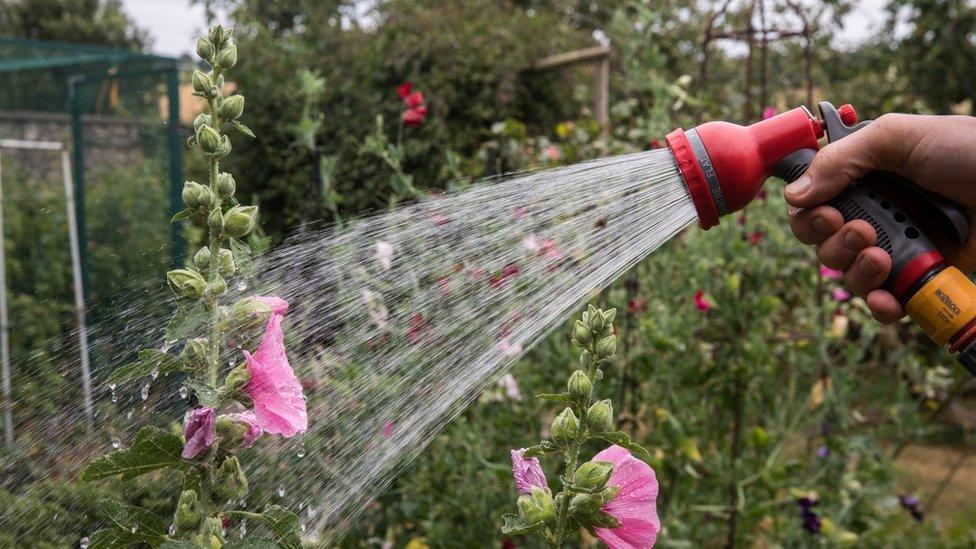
[174, 24]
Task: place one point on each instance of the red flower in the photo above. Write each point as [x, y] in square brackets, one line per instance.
[656, 144]
[508, 271]
[418, 328]
[414, 100]
[755, 238]
[741, 220]
[637, 306]
[404, 90]
[414, 116]
[701, 303]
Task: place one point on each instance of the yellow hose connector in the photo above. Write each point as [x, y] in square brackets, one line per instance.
[944, 305]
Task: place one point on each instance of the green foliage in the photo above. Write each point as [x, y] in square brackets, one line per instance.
[153, 449]
[95, 22]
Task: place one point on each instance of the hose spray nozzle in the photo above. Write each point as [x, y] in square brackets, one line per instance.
[724, 165]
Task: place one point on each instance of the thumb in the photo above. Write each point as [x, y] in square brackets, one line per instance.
[882, 145]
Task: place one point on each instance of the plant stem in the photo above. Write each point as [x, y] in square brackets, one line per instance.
[213, 362]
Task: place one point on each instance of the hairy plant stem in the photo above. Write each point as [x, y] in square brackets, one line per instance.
[572, 456]
[213, 269]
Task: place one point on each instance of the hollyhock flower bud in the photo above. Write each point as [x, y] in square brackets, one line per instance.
[198, 428]
[840, 295]
[606, 346]
[226, 186]
[186, 283]
[191, 194]
[225, 262]
[565, 426]
[227, 57]
[187, 516]
[201, 82]
[229, 480]
[593, 474]
[579, 386]
[232, 107]
[537, 506]
[582, 333]
[201, 119]
[599, 418]
[216, 287]
[209, 139]
[279, 404]
[211, 534]
[218, 35]
[597, 322]
[252, 430]
[634, 505]
[240, 220]
[205, 49]
[215, 220]
[250, 313]
[230, 433]
[527, 472]
[586, 359]
[202, 258]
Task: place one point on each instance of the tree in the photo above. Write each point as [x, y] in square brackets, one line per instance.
[94, 22]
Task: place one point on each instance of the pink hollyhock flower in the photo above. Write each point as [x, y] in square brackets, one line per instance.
[840, 294]
[830, 274]
[552, 153]
[509, 349]
[701, 303]
[199, 430]
[635, 505]
[254, 430]
[414, 116]
[511, 387]
[279, 404]
[550, 250]
[404, 89]
[388, 428]
[769, 112]
[384, 254]
[278, 306]
[527, 472]
[414, 99]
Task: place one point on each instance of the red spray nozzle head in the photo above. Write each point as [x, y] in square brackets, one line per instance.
[724, 165]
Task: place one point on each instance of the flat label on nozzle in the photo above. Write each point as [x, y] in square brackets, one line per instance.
[714, 188]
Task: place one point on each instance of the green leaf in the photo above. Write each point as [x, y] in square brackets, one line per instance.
[556, 397]
[148, 361]
[541, 449]
[189, 316]
[242, 257]
[152, 449]
[600, 519]
[183, 545]
[114, 539]
[249, 544]
[183, 214]
[132, 525]
[242, 128]
[206, 395]
[279, 522]
[516, 525]
[621, 438]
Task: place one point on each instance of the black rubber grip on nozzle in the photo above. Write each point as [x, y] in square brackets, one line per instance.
[896, 233]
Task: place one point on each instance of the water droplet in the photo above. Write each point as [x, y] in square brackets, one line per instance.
[243, 529]
[223, 532]
[145, 391]
[184, 392]
[301, 449]
[84, 543]
[133, 529]
[111, 387]
[128, 414]
[281, 490]
[311, 511]
[241, 286]
[172, 529]
[154, 374]
[303, 527]
[116, 443]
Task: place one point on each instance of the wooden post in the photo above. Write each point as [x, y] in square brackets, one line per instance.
[601, 82]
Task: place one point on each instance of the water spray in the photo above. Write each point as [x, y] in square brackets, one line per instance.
[724, 165]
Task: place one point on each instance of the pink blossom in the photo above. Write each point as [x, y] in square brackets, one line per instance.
[550, 250]
[384, 254]
[278, 306]
[769, 112]
[388, 428]
[702, 303]
[511, 387]
[254, 430]
[279, 404]
[840, 294]
[414, 99]
[199, 430]
[527, 472]
[404, 89]
[552, 153]
[414, 116]
[830, 274]
[531, 243]
[635, 506]
[509, 349]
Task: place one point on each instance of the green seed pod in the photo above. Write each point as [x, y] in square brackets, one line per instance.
[191, 194]
[597, 322]
[593, 474]
[582, 334]
[606, 346]
[215, 220]
[599, 418]
[537, 506]
[225, 262]
[579, 386]
[186, 283]
[226, 186]
[229, 480]
[240, 220]
[227, 57]
[586, 359]
[217, 287]
[232, 107]
[565, 426]
[230, 433]
[201, 119]
[583, 505]
[205, 49]
[202, 258]
[208, 139]
[216, 35]
[187, 516]
[202, 82]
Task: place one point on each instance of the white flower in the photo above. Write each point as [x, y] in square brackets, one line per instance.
[384, 254]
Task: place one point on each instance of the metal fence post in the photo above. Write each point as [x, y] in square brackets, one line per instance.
[175, 165]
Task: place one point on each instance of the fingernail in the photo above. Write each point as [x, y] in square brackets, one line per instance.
[799, 186]
[821, 225]
[853, 241]
[868, 267]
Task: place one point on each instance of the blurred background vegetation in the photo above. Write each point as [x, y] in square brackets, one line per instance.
[780, 392]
